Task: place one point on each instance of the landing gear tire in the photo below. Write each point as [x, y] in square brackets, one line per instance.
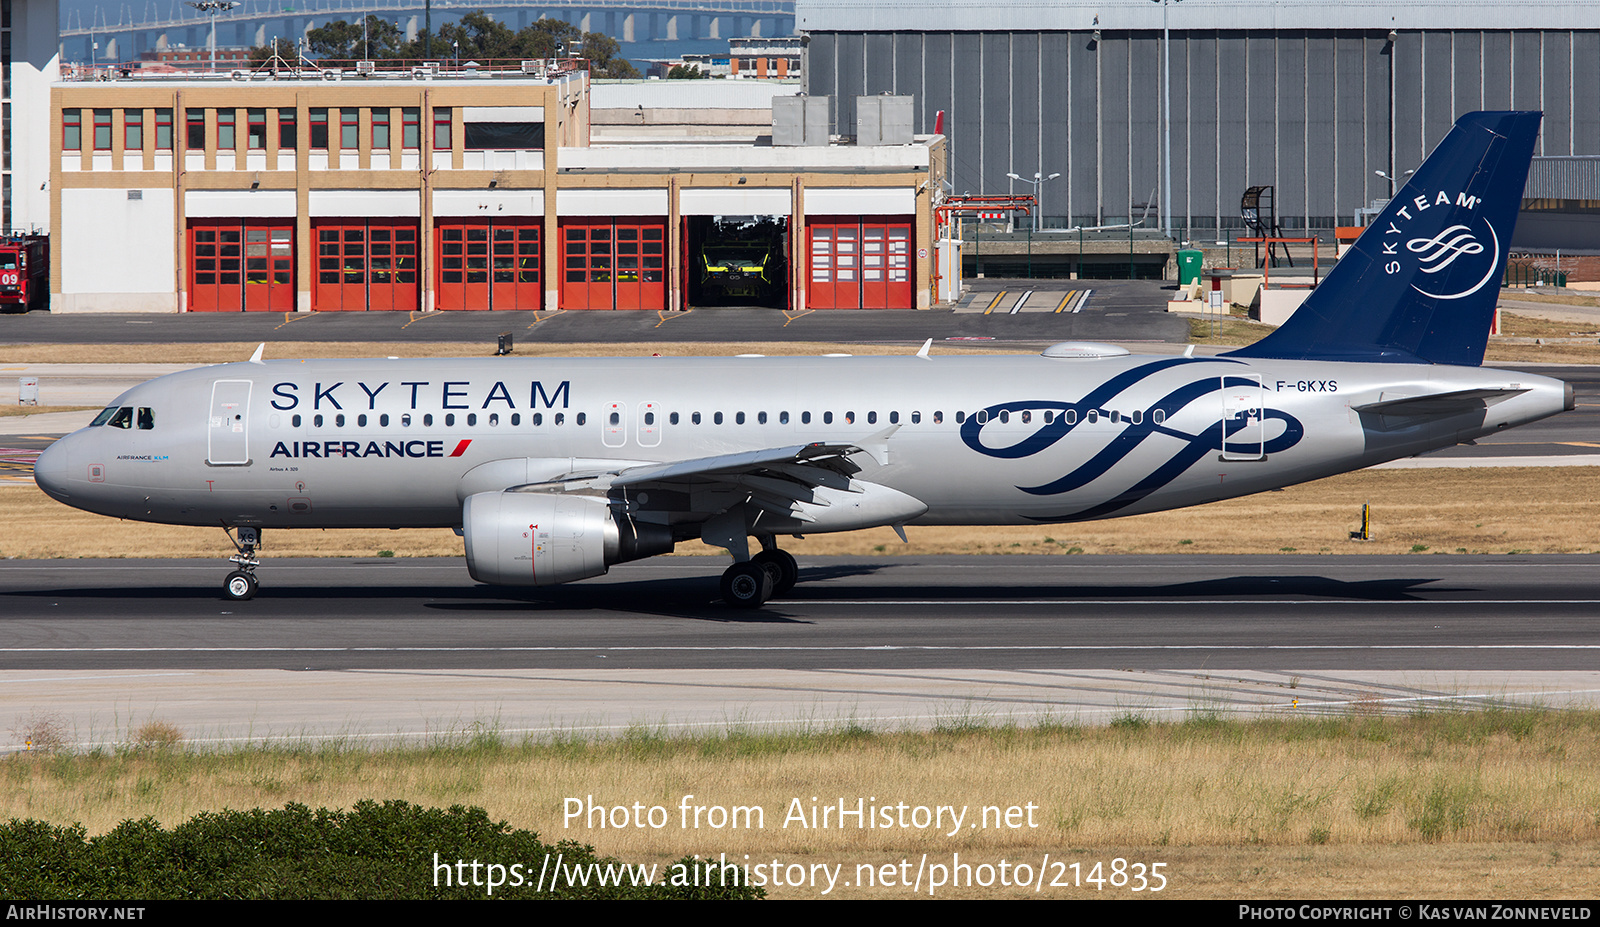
[783, 568]
[746, 585]
[240, 586]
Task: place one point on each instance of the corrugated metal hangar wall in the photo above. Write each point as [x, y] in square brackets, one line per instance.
[1313, 112]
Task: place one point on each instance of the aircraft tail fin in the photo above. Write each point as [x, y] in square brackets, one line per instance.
[1421, 283]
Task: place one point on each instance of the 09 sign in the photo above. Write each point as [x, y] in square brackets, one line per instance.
[9, 278]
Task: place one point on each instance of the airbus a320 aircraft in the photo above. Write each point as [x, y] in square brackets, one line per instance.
[552, 470]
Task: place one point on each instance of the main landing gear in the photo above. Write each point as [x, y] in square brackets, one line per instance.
[769, 573]
[241, 584]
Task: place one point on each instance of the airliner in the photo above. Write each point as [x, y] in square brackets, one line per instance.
[552, 470]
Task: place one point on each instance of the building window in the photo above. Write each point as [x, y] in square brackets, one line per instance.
[480, 136]
[256, 134]
[411, 128]
[349, 129]
[71, 130]
[225, 136]
[163, 130]
[133, 129]
[195, 119]
[102, 130]
[319, 130]
[380, 129]
[288, 139]
[441, 130]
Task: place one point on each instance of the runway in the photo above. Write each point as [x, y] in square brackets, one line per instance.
[387, 648]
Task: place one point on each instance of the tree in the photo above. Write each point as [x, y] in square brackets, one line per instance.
[686, 72]
[282, 48]
[347, 41]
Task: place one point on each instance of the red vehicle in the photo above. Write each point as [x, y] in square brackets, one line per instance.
[24, 272]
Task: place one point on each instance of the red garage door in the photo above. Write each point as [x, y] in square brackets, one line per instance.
[241, 264]
[859, 262]
[489, 264]
[613, 263]
[365, 264]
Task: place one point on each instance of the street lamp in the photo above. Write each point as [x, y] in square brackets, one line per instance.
[1392, 180]
[1166, 122]
[1038, 194]
[214, 7]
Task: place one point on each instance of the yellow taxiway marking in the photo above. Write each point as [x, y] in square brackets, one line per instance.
[293, 317]
[994, 302]
[1572, 443]
[537, 317]
[790, 318]
[1066, 299]
[669, 316]
[417, 316]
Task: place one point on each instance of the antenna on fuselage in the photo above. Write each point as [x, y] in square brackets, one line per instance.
[924, 352]
[260, 350]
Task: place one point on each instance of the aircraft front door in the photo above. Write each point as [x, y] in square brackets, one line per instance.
[228, 429]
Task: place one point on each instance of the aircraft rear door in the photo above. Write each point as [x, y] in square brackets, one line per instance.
[228, 429]
[1244, 432]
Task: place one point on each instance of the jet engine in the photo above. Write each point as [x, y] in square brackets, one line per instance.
[541, 539]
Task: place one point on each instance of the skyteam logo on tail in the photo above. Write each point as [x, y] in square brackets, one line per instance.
[1467, 240]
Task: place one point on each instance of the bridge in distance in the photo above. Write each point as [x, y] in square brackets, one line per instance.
[646, 28]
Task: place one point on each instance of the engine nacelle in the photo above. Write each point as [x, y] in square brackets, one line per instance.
[541, 539]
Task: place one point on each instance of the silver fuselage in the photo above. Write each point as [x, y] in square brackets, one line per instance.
[224, 447]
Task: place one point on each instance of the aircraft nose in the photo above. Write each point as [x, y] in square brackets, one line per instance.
[50, 470]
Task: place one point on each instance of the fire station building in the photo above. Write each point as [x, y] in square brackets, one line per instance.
[473, 188]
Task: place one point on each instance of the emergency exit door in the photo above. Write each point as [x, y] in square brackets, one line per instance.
[241, 265]
[365, 264]
[489, 264]
[613, 263]
[859, 262]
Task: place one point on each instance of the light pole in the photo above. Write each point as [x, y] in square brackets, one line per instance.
[1166, 122]
[1037, 182]
[214, 7]
[1392, 179]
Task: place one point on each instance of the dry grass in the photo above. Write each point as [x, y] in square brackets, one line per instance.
[41, 732]
[40, 410]
[1489, 804]
[1557, 299]
[1475, 510]
[156, 735]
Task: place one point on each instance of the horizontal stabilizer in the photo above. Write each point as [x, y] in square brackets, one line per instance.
[1440, 404]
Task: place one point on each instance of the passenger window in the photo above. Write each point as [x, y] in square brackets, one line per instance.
[872, 418]
[827, 418]
[849, 418]
[894, 418]
[1049, 417]
[805, 418]
[582, 417]
[560, 418]
[295, 420]
[1071, 416]
[516, 419]
[696, 418]
[123, 418]
[783, 418]
[1005, 416]
[317, 420]
[449, 419]
[674, 418]
[494, 419]
[147, 419]
[1115, 416]
[362, 420]
[427, 420]
[649, 418]
[717, 418]
[916, 418]
[1094, 416]
[1159, 416]
[938, 418]
[761, 417]
[1137, 416]
[616, 418]
[1026, 417]
[338, 420]
[538, 419]
[472, 418]
[405, 420]
[383, 420]
[739, 418]
[960, 417]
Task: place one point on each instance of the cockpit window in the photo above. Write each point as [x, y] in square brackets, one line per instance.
[103, 417]
[147, 419]
[116, 418]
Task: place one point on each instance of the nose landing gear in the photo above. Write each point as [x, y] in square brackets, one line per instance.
[241, 584]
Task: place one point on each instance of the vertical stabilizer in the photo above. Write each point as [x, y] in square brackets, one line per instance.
[1421, 283]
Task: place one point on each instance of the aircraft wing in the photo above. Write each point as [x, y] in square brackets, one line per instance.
[1439, 404]
[807, 462]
